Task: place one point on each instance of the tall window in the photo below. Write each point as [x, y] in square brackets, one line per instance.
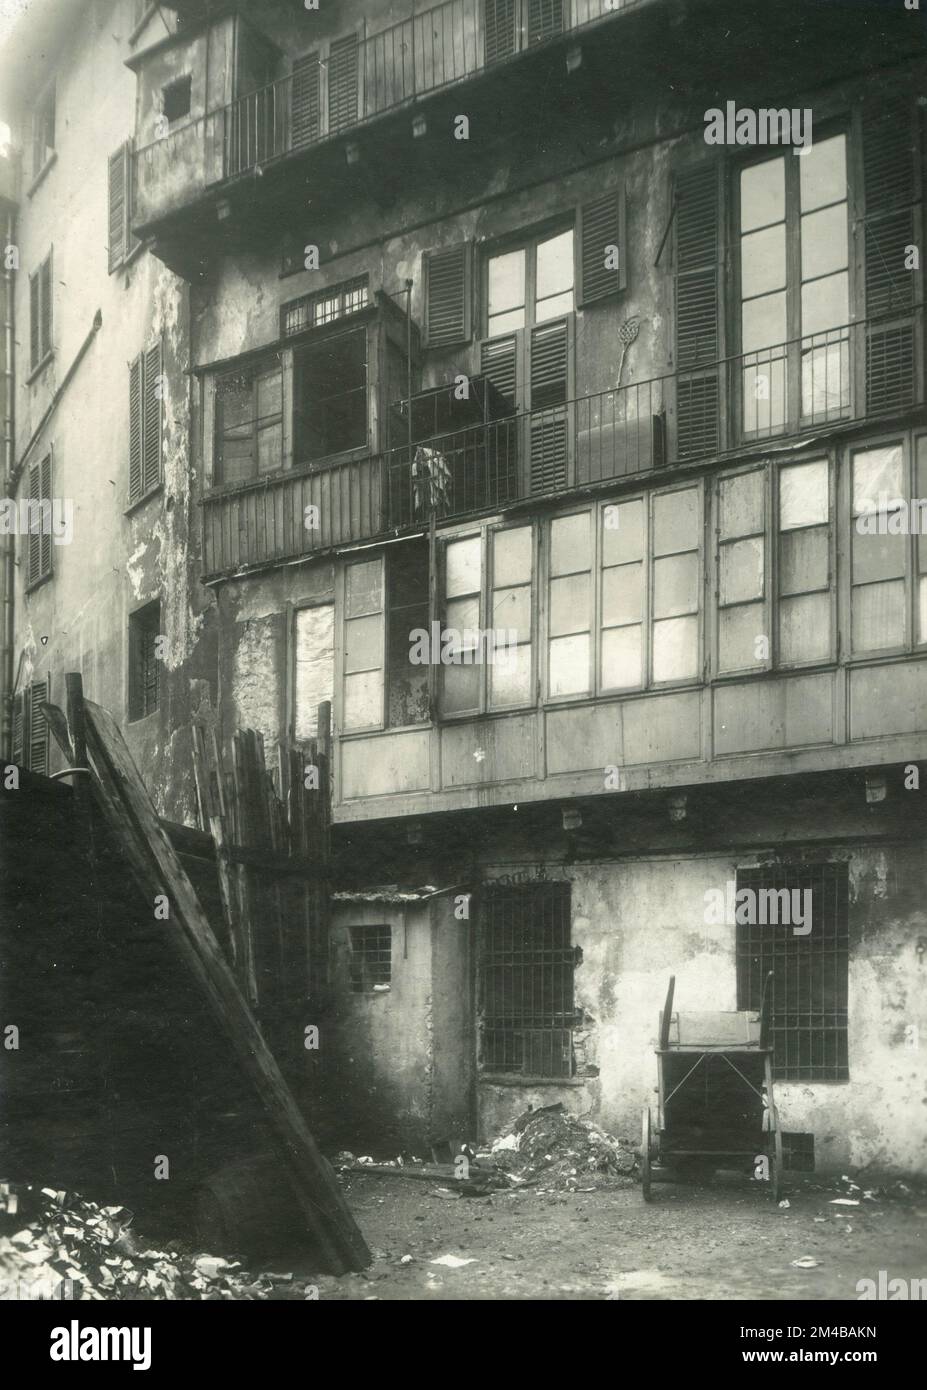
[40, 314]
[382, 686]
[122, 243]
[794, 312]
[488, 607]
[144, 661]
[331, 395]
[530, 284]
[41, 548]
[30, 726]
[810, 969]
[249, 422]
[526, 980]
[43, 131]
[146, 391]
[880, 548]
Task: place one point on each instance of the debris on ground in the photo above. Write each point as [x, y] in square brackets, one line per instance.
[557, 1150]
[53, 1244]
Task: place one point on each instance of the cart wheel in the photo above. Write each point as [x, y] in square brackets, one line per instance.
[645, 1153]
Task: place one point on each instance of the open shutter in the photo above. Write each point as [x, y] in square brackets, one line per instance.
[342, 83]
[601, 226]
[18, 746]
[38, 726]
[118, 206]
[45, 536]
[45, 296]
[499, 29]
[891, 189]
[698, 312]
[34, 315]
[305, 111]
[545, 19]
[35, 536]
[447, 295]
[548, 379]
[151, 427]
[498, 362]
[135, 430]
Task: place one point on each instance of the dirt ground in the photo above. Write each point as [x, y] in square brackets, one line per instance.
[722, 1239]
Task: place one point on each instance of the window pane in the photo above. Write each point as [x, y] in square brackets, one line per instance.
[511, 610]
[569, 605]
[363, 592]
[675, 585]
[570, 544]
[764, 391]
[878, 557]
[762, 261]
[762, 194]
[363, 643]
[463, 567]
[506, 323]
[741, 503]
[462, 617]
[824, 241]
[506, 282]
[675, 521]
[878, 616]
[622, 595]
[363, 699]
[270, 449]
[824, 304]
[764, 322]
[623, 532]
[553, 308]
[741, 570]
[803, 495]
[804, 628]
[822, 172]
[510, 676]
[568, 665]
[555, 265]
[877, 479]
[825, 378]
[460, 688]
[269, 395]
[675, 649]
[511, 556]
[738, 629]
[803, 561]
[622, 658]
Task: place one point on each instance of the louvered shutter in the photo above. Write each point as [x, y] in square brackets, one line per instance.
[305, 112]
[18, 746]
[135, 430]
[545, 19]
[498, 362]
[118, 195]
[548, 381]
[45, 296]
[45, 537]
[35, 537]
[890, 189]
[447, 295]
[498, 29]
[34, 318]
[342, 83]
[38, 726]
[698, 312]
[601, 225]
[151, 426]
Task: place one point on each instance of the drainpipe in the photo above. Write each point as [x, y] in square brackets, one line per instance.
[8, 572]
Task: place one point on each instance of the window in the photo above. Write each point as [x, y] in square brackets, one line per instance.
[249, 422]
[406, 683]
[509, 25]
[810, 970]
[371, 959]
[382, 685]
[362, 705]
[145, 404]
[176, 98]
[569, 651]
[43, 131]
[30, 727]
[40, 314]
[313, 666]
[782, 202]
[342, 83]
[880, 547]
[331, 395]
[530, 284]
[526, 980]
[144, 660]
[314, 310]
[41, 548]
[122, 244]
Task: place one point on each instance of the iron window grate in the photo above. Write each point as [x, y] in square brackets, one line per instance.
[526, 980]
[810, 971]
[144, 681]
[371, 957]
[314, 310]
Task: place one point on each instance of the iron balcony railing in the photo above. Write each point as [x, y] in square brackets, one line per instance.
[870, 369]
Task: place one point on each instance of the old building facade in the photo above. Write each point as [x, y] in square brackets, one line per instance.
[471, 326]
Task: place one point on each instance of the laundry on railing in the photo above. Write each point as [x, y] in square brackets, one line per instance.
[431, 482]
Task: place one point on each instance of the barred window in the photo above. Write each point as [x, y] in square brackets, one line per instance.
[314, 310]
[371, 958]
[810, 968]
[144, 665]
[526, 980]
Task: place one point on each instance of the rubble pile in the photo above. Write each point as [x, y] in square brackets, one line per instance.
[55, 1245]
[552, 1148]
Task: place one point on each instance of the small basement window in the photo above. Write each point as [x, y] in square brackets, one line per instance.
[371, 959]
[144, 682]
[176, 98]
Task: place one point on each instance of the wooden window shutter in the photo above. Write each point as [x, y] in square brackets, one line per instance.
[39, 695]
[45, 296]
[499, 29]
[34, 319]
[135, 430]
[18, 747]
[498, 362]
[545, 19]
[549, 389]
[602, 225]
[151, 423]
[698, 311]
[447, 295]
[890, 185]
[118, 206]
[45, 537]
[342, 83]
[35, 571]
[305, 109]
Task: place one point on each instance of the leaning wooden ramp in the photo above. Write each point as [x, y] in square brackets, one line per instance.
[91, 738]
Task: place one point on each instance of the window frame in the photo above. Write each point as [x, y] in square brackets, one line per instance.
[46, 99]
[44, 309]
[137, 699]
[257, 369]
[360, 962]
[316, 340]
[527, 240]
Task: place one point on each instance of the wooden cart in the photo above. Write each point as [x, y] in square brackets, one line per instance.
[716, 1102]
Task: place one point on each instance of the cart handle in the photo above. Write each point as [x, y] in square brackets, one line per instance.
[667, 1014]
[766, 1010]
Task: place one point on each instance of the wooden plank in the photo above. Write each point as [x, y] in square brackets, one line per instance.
[133, 818]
